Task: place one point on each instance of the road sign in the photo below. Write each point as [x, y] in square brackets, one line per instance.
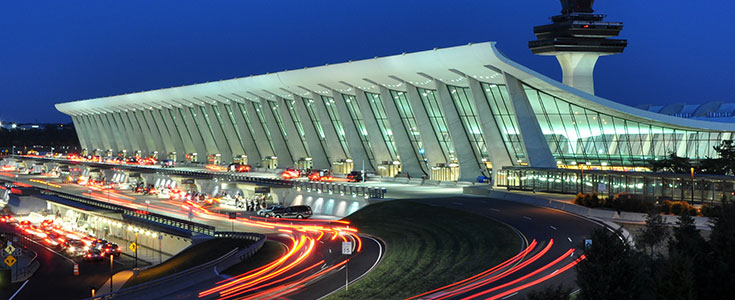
[347, 248]
[133, 247]
[9, 249]
[587, 244]
[160, 236]
[10, 261]
[17, 252]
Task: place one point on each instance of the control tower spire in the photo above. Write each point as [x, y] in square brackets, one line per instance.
[577, 38]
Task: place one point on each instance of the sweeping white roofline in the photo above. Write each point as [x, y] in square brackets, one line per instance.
[482, 61]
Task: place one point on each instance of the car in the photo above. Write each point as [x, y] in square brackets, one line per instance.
[94, 255]
[168, 163]
[7, 219]
[355, 176]
[320, 175]
[75, 247]
[290, 173]
[264, 212]
[293, 212]
[239, 168]
[111, 249]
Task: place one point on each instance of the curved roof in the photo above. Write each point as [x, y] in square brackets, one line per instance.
[482, 61]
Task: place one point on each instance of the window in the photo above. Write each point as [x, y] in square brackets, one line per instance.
[409, 121]
[378, 110]
[438, 122]
[356, 115]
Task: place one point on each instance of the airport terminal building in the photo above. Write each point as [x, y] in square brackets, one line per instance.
[447, 114]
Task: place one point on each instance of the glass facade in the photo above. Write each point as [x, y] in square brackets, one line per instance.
[504, 114]
[378, 110]
[438, 122]
[218, 116]
[248, 122]
[230, 115]
[336, 123]
[702, 189]
[468, 114]
[579, 135]
[356, 115]
[409, 121]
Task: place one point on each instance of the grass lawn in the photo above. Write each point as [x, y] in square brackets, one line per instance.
[427, 247]
[270, 251]
[190, 257]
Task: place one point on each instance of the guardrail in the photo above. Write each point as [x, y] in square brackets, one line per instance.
[145, 215]
[342, 189]
[147, 291]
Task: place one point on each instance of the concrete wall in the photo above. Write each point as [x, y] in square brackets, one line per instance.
[326, 204]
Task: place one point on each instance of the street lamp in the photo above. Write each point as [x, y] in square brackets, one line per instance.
[581, 177]
[111, 260]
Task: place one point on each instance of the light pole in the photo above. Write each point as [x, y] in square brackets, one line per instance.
[581, 177]
[111, 260]
[692, 201]
[136, 249]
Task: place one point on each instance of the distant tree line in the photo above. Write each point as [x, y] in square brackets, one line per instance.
[50, 136]
[724, 164]
[690, 268]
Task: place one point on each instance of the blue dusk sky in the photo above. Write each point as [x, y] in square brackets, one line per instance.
[59, 51]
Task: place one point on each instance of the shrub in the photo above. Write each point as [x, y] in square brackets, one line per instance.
[693, 211]
[666, 206]
[678, 207]
[709, 211]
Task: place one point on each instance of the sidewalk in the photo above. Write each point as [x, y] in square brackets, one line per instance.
[118, 280]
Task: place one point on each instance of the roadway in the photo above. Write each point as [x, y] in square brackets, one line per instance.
[55, 278]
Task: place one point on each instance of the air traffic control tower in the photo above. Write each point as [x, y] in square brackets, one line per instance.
[577, 38]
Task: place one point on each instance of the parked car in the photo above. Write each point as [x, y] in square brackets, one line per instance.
[264, 212]
[355, 176]
[168, 163]
[297, 212]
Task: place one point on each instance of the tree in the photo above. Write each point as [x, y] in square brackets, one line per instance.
[612, 270]
[654, 232]
[558, 292]
[686, 238]
[677, 280]
[722, 242]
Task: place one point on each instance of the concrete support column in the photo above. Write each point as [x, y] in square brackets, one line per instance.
[127, 133]
[377, 141]
[154, 132]
[173, 132]
[578, 69]
[469, 159]
[285, 158]
[261, 138]
[176, 120]
[81, 132]
[496, 148]
[146, 131]
[112, 132]
[534, 142]
[251, 150]
[336, 152]
[229, 131]
[92, 133]
[352, 135]
[318, 153]
[409, 156]
[189, 123]
[434, 152]
[130, 118]
[204, 132]
[295, 145]
[105, 135]
[223, 144]
[167, 137]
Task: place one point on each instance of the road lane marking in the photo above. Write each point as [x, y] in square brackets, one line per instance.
[527, 218]
[511, 295]
[495, 209]
[570, 239]
[552, 227]
[20, 288]
[457, 203]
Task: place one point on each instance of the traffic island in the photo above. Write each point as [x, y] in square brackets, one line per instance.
[427, 247]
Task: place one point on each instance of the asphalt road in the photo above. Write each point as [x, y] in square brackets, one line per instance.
[55, 278]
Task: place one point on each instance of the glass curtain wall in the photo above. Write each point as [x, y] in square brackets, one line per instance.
[228, 108]
[317, 124]
[504, 115]
[438, 122]
[468, 114]
[186, 125]
[578, 135]
[263, 124]
[218, 115]
[378, 110]
[249, 124]
[336, 123]
[356, 115]
[297, 122]
[409, 121]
